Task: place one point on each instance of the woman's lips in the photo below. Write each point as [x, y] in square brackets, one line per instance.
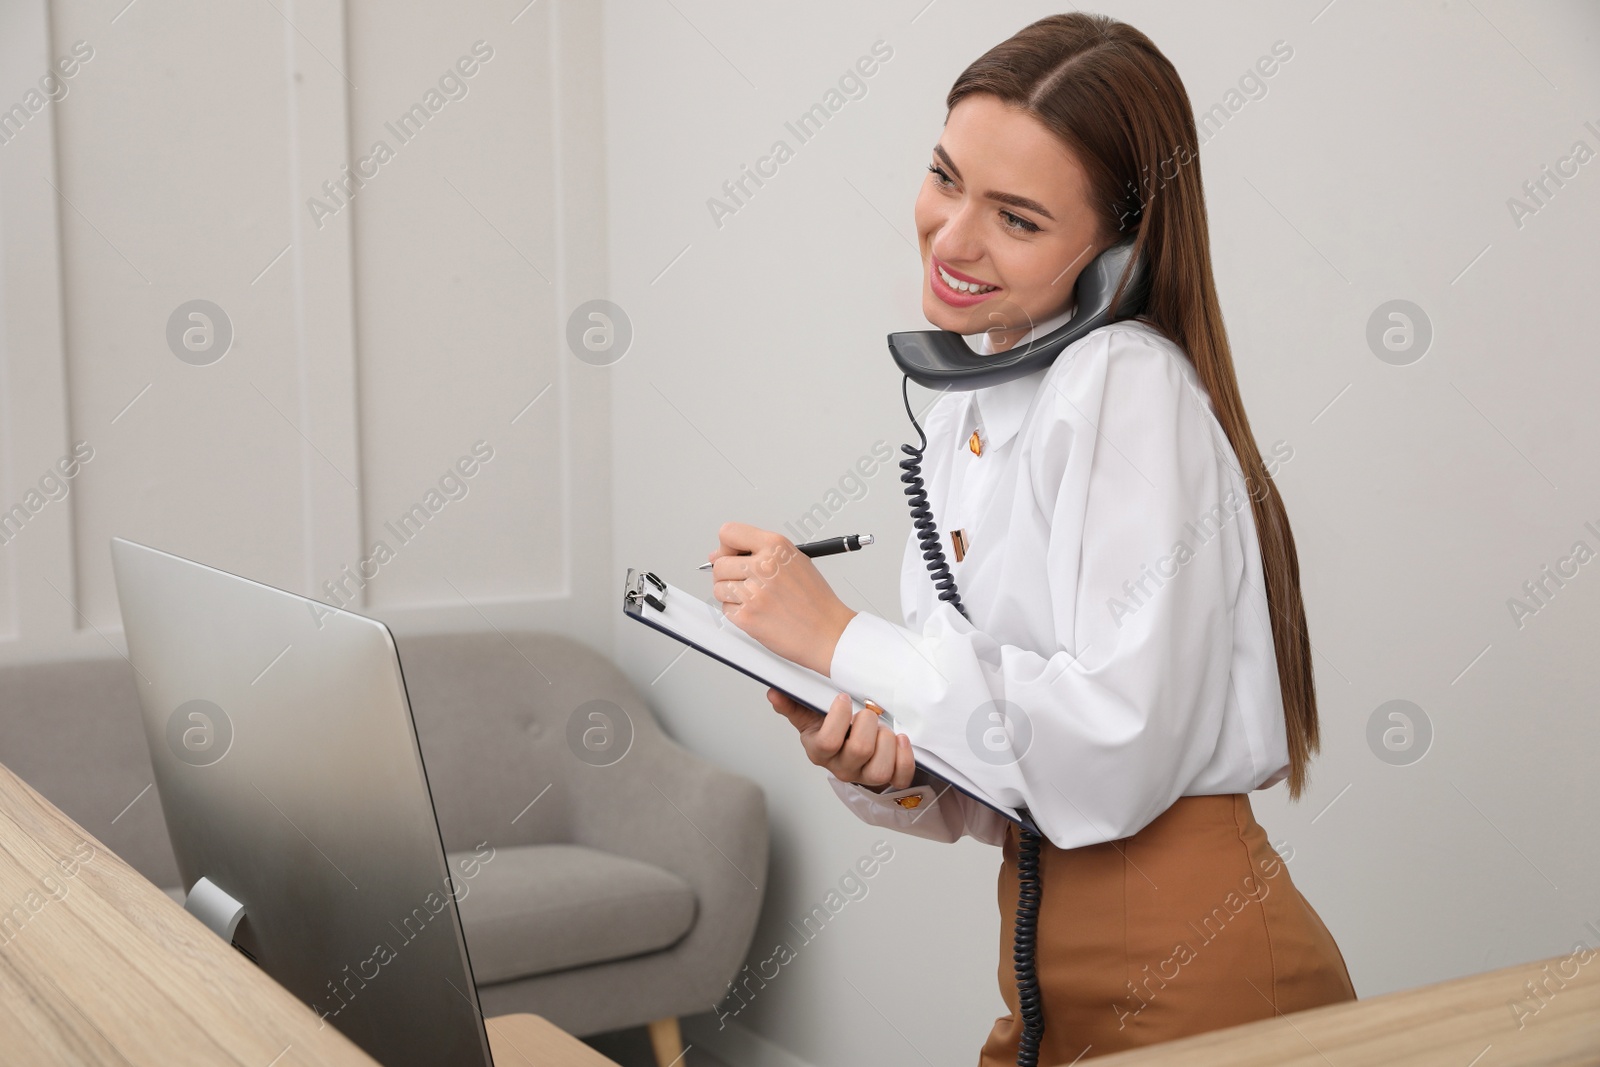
[951, 296]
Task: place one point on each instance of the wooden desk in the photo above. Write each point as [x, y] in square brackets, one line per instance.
[100, 967]
[1462, 1022]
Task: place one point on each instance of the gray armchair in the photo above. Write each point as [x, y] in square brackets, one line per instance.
[626, 876]
[630, 889]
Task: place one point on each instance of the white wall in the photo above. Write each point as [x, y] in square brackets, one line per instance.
[376, 341]
[1377, 166]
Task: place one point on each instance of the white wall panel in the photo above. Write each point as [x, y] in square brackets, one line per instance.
[457, 262]
[375, 340]
[176, 154]
[36, 581]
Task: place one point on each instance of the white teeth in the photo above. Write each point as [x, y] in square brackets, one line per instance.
[964, 287]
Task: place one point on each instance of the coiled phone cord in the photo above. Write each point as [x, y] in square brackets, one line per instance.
[1029, 886]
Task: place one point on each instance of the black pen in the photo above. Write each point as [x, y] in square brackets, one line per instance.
[831, 547]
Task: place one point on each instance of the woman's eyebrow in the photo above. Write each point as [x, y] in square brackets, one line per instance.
[1021, 201]
[939, 151]
[1004, 198]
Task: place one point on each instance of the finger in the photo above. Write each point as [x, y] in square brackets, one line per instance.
[905, 763]
[730, 566]
[741, 537]
[879, 770]
[802, 718]
[830, 736]
[863, 740]
[720, 551]
[729, 592]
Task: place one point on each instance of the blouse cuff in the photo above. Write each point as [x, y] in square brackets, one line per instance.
[873, 656]
[919, 811]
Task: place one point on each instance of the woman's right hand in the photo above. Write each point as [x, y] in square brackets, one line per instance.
[860, 749]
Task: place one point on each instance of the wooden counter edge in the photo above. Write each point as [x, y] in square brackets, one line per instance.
[523, 1040]
[1490, 1019]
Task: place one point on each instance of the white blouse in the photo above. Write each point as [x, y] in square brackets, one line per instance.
[1120, 653]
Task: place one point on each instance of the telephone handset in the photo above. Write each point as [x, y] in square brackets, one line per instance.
[940, 359]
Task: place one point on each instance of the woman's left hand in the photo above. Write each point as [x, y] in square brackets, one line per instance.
[774, 593]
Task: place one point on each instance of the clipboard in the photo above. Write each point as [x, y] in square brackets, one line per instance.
[684, 617]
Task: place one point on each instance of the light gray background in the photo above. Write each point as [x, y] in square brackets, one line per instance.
[371, 353]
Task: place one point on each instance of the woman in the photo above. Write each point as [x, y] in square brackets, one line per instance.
[1136, 660]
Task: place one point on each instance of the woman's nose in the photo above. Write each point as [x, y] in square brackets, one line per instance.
[958, 240]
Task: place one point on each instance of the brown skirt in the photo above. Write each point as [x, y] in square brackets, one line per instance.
[1192, 924]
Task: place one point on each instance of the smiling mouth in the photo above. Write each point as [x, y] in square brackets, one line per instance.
[974, 288]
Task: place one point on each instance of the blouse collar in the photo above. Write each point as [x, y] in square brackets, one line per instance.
[1001, 407]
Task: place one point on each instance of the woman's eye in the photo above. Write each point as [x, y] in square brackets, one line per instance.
[1017, 222]
[939, 175]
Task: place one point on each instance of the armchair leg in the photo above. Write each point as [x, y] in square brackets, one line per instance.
[667, 1042]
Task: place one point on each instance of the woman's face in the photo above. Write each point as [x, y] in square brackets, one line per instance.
[1003, 223]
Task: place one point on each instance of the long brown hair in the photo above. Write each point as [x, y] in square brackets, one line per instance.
[1117, 103]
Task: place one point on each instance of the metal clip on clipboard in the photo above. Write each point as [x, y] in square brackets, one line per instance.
[640, 590]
